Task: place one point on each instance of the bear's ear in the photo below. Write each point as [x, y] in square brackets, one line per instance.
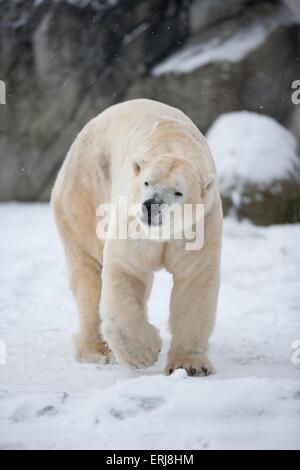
[206, 182]
[136, 166]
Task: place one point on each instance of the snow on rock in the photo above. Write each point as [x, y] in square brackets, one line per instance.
[254, 151]
[96, 4]
[232, 49]
[250, 147]
[49, 401]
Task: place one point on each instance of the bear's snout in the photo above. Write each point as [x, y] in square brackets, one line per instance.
[151, 211]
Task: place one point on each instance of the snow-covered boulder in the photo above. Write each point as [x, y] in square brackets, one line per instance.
[258, 165]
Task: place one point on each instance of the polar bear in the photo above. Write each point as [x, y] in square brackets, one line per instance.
[151, 154]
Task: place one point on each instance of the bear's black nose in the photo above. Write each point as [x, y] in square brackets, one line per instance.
[151, 211]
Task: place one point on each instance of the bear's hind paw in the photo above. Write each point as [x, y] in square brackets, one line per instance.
[95, 351]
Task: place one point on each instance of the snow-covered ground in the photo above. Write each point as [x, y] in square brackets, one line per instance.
[47, 400]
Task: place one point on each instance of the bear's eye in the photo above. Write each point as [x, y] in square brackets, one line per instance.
[146, 183]
[178, 193]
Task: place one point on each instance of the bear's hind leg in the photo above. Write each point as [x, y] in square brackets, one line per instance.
[85, 280]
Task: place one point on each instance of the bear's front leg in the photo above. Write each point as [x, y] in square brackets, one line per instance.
[133, 340]
[193, 308]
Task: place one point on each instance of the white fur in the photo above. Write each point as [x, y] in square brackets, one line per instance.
[117, 274]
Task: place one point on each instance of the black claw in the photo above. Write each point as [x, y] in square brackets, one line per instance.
[191, 371]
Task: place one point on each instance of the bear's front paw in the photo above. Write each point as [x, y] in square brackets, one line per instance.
[196, 365]
[137, 346]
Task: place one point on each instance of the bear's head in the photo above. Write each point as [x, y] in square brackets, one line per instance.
[162, 182]
[173, 178]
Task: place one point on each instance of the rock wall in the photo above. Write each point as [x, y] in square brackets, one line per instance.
[65, 61]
